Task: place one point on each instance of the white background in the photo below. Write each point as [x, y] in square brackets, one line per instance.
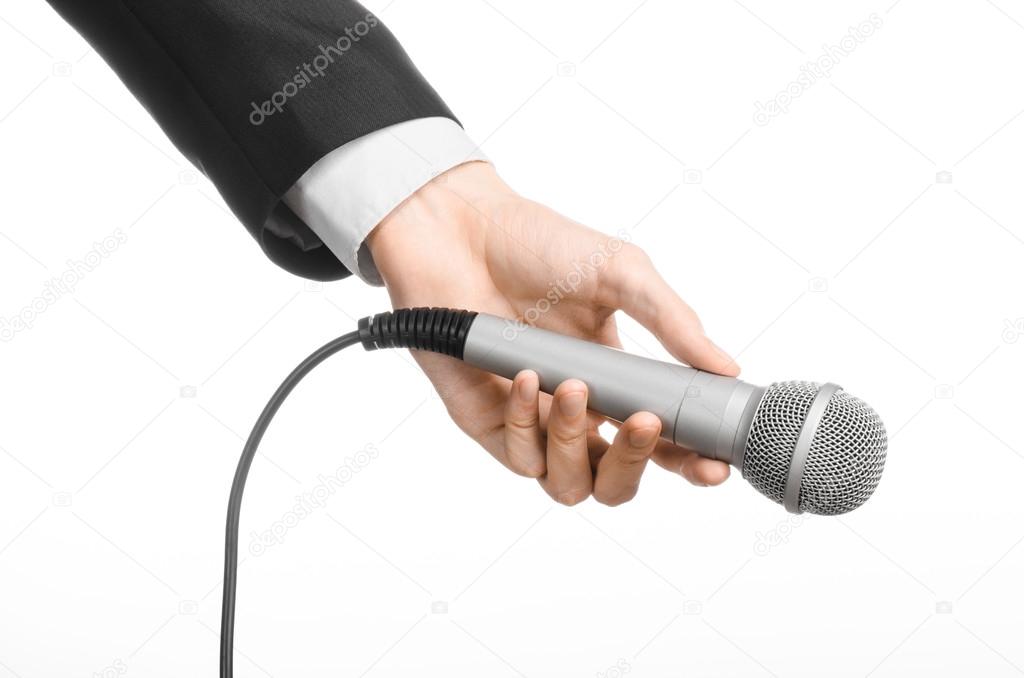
[818, 246]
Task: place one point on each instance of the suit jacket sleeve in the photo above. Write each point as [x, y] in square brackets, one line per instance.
[254, 92]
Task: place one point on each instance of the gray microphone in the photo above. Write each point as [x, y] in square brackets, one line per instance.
[811, 447]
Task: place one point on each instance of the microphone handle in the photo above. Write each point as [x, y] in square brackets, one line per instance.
[707, 413]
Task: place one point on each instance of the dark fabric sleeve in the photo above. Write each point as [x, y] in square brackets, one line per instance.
[254, 92]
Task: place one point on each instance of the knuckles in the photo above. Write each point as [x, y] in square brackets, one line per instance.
[574, 439]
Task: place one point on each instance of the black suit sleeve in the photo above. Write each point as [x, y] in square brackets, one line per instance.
[254, 92]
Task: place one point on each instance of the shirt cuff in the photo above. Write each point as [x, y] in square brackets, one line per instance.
[351, 189]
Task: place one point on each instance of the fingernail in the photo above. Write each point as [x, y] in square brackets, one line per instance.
[641, 438]
[572, 404]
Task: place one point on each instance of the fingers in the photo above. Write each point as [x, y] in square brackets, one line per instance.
[569, 478]
[690, 465]
[524, 442]
[571, 462]
[620, 468]
[637, 288]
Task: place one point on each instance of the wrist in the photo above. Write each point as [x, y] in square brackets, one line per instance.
[443, 219]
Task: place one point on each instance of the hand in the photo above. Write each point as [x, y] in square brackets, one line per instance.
[466, 240]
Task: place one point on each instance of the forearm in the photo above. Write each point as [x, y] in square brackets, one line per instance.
[254, 92]
[346, 194]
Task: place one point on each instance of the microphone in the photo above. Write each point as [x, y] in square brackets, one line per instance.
[811, 447]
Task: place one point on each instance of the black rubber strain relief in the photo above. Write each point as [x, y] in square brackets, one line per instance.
[439, 330]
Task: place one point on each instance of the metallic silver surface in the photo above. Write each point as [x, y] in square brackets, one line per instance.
[803, 445]
[757, 429]
[846, 455]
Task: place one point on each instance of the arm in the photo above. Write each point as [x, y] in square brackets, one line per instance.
[286, 107]
[254, 92]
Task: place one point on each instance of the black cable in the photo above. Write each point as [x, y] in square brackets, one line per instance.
[227, 620]
[439, 330]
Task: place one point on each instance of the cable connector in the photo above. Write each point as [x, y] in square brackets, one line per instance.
[439, 330]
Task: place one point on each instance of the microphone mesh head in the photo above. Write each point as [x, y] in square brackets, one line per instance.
[846, 457]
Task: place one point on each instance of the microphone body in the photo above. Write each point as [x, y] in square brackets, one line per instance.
[707, 413]
[811, 447]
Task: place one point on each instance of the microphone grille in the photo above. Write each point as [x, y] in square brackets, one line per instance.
[846, 456]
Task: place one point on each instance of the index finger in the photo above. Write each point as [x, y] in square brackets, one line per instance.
[637, 288]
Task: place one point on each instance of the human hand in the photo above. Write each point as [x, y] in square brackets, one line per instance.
[466, 240]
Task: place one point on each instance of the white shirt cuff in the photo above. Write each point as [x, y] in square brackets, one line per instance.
[351, 189]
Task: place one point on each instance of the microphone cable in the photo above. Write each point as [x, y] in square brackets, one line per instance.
[807, 446]
[438, 330]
